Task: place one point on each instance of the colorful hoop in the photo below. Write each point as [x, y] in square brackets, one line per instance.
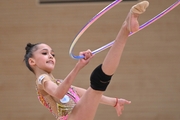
[107, 8]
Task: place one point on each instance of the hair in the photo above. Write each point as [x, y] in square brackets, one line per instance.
[30, 48]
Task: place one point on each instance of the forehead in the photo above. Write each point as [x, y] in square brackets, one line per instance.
[44, 47]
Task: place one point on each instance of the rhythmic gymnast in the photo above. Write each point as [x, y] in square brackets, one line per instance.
[68, 102]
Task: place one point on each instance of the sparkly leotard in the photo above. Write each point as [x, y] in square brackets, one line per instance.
[59, 108]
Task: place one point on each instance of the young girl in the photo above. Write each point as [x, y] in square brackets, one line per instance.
[67, 102]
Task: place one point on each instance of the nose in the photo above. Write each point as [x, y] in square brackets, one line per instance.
[50, 56]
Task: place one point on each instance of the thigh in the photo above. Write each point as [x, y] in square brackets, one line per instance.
[86, 108]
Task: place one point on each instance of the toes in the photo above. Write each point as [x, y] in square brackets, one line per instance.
[140, 7]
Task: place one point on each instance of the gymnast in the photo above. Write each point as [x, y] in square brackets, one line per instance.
[68, 102]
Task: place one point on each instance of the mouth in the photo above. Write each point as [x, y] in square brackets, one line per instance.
[50, 61]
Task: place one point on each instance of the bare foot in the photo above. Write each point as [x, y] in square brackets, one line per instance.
[132, 18]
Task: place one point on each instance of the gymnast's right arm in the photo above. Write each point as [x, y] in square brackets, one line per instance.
[58, 91]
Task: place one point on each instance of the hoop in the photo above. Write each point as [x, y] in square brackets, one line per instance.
[107, 8]
[97, 16]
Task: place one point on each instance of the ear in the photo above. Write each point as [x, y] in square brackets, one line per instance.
[31, 62]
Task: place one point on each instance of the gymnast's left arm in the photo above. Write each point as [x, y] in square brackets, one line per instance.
[117, 103]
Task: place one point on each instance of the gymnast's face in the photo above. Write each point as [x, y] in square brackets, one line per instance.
[43, 58]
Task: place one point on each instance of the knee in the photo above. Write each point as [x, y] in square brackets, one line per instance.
[99, 80]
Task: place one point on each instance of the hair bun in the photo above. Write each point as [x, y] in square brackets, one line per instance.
[29, 46]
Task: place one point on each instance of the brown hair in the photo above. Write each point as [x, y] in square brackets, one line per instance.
[30, 48]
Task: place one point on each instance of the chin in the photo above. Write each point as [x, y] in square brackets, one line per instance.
[49, 71]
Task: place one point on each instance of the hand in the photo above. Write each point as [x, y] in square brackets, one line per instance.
[87, 57]
[120, 105]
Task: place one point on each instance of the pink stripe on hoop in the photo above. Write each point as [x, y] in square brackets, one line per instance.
[111, 43]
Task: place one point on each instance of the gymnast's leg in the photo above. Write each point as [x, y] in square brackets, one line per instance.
[100, 78]
[131, 24]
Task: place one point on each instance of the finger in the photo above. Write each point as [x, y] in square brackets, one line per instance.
[89, 50]
[86, 56]
[122, 108]
[82, 52]
[118, 110]
[86, 51]
[119, 113]
[125, 101]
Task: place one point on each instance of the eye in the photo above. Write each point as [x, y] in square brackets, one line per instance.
[53, 55]
[44, 53]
